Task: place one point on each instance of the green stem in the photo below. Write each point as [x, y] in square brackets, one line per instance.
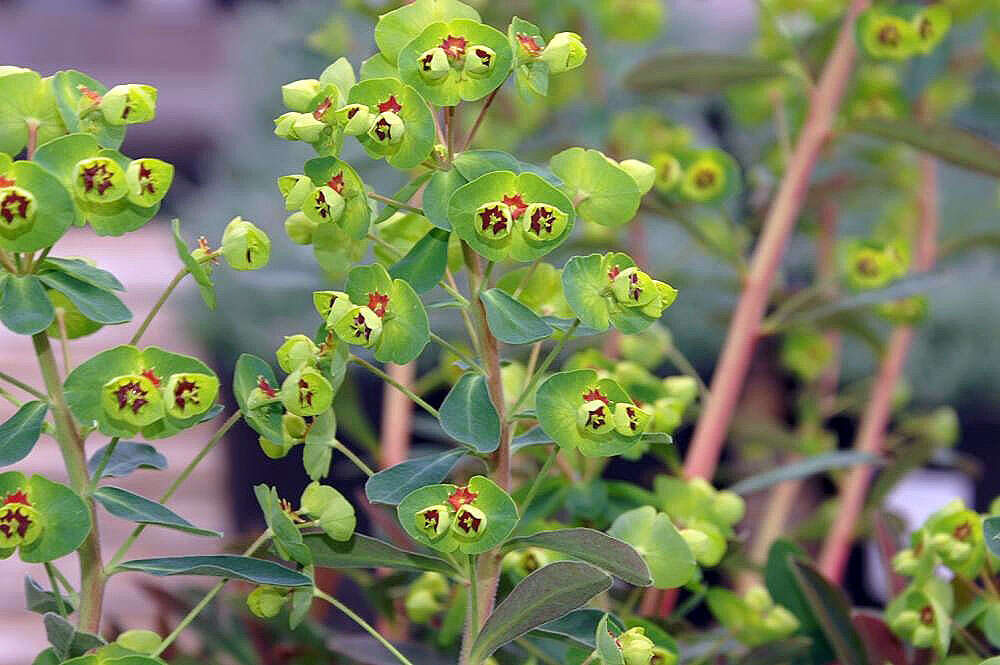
[158, 305]
[10, 398]
[453, 292]
[6, 262]
[174, 486]
[364, 624]
[17, 383]
[349, 454]
[396, 384]
[537, 376]
[92, 577]
[681, 362]
[55, 589]
[539, 478]
[203, 603]
[399, 205]
[109, 450]
[463, 356]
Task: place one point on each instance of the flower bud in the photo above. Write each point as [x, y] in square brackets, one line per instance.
[630, 420]
[298, 95]
[265, 602]
[190, 394]
[663, 657]
[148, 180]
[296, 189]
[99, 180]
[931, 24]
[433, 521]
[758, 599]
[642, 173]
[633, 288]
[421, 605]
[244, 246]
[308, 128]
[479, 61]
[273, 450]
[324, 301]
[19, 521]
[284, 126]
[905, 562]
[140, 641]
[325, 204]
[681, 386]
[299, 228]
[905, 622]
[295, 352]
[668, 171]
[359, 325]
[436, 583]
[387, 129]
[129, 104]
[469, 523]
[665, 297]
[132, 399]
[306, 392]
[780, 621]
[637, 649]
[594, 418]
[433, 65]
[17, 211]
[565, 51]
[729, 507]
[493, 222]
[293, 427]
[697, 541]
[668, 414]
[354, 118]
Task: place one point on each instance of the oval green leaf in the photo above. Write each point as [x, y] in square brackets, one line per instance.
[468, 415]
[20, 432]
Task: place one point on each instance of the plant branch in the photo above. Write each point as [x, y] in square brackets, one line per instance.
[109, 450]
[158, 305]
[537, 376]
[351, 455]
[744, 328]
[479, 119]
[17, 383]
[399, 205]
[55, 589]
[399, 386]
[462, 355]
[364, 624]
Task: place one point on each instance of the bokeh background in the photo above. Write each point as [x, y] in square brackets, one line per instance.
[218, 65]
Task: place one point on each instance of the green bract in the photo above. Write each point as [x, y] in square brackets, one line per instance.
[394, 305]
[121, 391]
[589, 285]
[605, 193]
[884, 35]
[397, 28]
[477, 59]
[337, 196]
[531, 74]
[920, 615]
[577, 409]
[491, 214]
[306, 392]
[931, 24]
[406, 136]
[26, 97]
[476, 518]
[45, 520]
[244, 246]
[709, 175]
[658, 542]
[128, 104]
[148, 180]
[540, 289]
[35, 209]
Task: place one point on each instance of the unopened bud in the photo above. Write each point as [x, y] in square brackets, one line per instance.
[433, 65]
[244, 246]
[298, 95]
[128, 104]
[565, 51]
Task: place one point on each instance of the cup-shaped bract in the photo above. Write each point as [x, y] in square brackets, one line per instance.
[433, 520]
[307, 127]
[469, 524]
[20, 522]
[630, 419]
[930, 25]
[709, 176]
[595, 418]
[245, 246]
[324, 204]
[494, 223]
[543, 223]
[306, 392]
[354, 118]
[189, 394]
[668, 171]
[565, 51]
[295, 352]
[434, 65]
[132, 400]
[604, 192]
[478, 59]
[886, 36]
[637, 648]
[265, 602]
[295, 189]
[99, 180]
[642, 173]
[35, 208]
[128, 104]
[17, 211]
[588, 284]
[42, 519]
[387, 129]
[359, 325]
[633, 288]
[148, 180]
[415, 129]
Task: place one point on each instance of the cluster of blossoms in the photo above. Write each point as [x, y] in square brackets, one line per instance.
[871, 264]
[902, 31]
[134, 401]
[754, 618]
[426, 596]
[704, 515]
[458, 515]
[19, 521]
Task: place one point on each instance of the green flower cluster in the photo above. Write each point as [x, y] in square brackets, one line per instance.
[704, 515]
[871, 264]
[902, 31]
[754, 618]
[135, 401]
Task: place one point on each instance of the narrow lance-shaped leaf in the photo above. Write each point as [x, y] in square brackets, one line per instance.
[127, 457]
[392, 484]
[615, 556]
[948, 143]
[804, 468]
[129, 506]
[699, 72]
[831, 609]
[228, 566]
[366, 552]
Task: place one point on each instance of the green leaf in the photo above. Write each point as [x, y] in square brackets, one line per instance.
[606, 194]
[585, 282]
[468, 415]
[20, 432]
[65, 517]
[698, 72]
[24, 307]
[287, 539]
[396, 28]
[84, 272]
[472, 164]
[227, 566]
[607, 553]
[838, 459]
[546, 594]
[393, 484]
[580, 626]
[67, 93]
[948, 143]
[606, 641]
[127, 457]
[511, 321]
[424, 265]
[334, 513]
[991, 533]
[407, 331]
[362, 551]
[317, 453]
[129, 506]
[94, 303]
[439, 190]
[67, 641]
[656, 539]
[197, 270]
[832, 609]
[40, 601]
[782, 585]
[265, 420]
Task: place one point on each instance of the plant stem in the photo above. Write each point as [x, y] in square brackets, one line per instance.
[92, 579]
[875, 419]
[109, 450]
[397, 416]
[680, 361]
[449, 288]
[395, 204]
[539, 479]
[6, 262]
[55, 589]
[537, 376]
[350, 454]
[462, 355]
[364, 624]
[403, 389]
[158, 305]
[174, 486]
[479, 120]
[32, 138]
[203, 603]
[17, 383]
[744, 329]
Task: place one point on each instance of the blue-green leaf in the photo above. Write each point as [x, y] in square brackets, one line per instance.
[126, 458]
[468, 415]
[228, 566]
[95, 303]
[424, 265]
[511, 321]
[20, 432]
[393, 484]
[24, 307]
[129, 506]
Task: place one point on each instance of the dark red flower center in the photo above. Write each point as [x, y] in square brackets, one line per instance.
[361, 328]
[462, 496]
[431, 519]
[13, 204]
[493, 219]
[516, 204]
[146, 179]
[323, 107]
[390, 105]
[378, 303]
[468, 522]
[186, 391]
[336, 183]
[15, 521]
[305, 392]
[614, 272]
[97, 176]
[454, 46]
[131, 395]
[542, 220]
[595, 394]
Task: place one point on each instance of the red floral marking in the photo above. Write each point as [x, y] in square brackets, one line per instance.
[383, 129]
[151, 375]
[6, 182]
[462, 496]
[322, 207]
[529, 43]
[89, 94]
[614, 272]
[454, 46]
[146, 179]
[492, 217]
[265, 387]
[596, 394]
[186, 391]
[15, 515]
[131, 395]
[96, 177]
[361, 327]
[17, 497]
[484, 56]
[597, 417]
[323, 107]
[516, 204]
[353, 111]
[542, 220]
[390, 105]
[13, 204]
[336, 183]
[378, 303]
[305, 394]
[431, 519]
[469, 523]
